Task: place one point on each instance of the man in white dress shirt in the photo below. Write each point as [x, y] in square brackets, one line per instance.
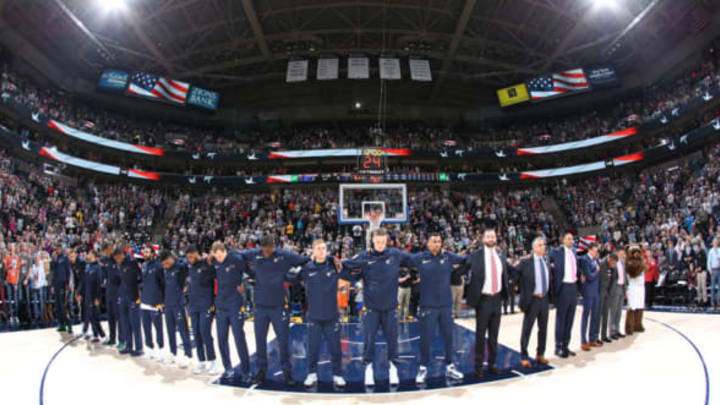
[618, 288]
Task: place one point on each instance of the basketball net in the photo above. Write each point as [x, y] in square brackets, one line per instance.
[375, 218]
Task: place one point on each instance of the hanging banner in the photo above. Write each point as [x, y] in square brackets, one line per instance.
[602, 75]
[420, 70]
[358, 67]
[389, 68]
[327, 68]
[113, 79]
[297, 70]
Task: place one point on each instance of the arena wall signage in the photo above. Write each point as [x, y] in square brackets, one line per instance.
[158, 88]
[559, 84]
[666, 148]
[112, 79]
[602, 75]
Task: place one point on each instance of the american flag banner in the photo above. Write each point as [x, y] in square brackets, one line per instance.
[134, 251]
[569, 81]
[157, 87]
[584, 242]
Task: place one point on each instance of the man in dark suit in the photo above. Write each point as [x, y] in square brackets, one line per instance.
[488, 270]
[563, 265]
[608, 277]
[591, 298]
[534, 281]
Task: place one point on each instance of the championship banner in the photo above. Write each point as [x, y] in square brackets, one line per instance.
[513, 95]
[358, 67]
[113, 79]
[327, 68]
[420, 70]
[297, 70]
[389, 68]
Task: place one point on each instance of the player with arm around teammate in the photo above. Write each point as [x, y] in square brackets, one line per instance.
[380, 273]
[435, 269]
[175, 276]
[230, 269]
[321, 283]
[269, 267]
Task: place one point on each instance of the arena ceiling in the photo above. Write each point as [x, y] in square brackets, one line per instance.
[475, 46]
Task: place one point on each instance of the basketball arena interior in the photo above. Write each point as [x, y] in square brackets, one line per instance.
[359, 201]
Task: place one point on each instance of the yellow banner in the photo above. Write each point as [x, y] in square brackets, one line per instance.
[513, 95]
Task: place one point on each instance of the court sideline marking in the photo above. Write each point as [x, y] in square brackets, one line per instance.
[47, 367]
[702, 359]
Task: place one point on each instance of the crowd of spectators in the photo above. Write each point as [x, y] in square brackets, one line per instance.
[668, 210]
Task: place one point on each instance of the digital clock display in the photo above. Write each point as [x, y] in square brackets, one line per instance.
[372, 161]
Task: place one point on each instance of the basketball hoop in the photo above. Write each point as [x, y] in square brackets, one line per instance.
[375, 218]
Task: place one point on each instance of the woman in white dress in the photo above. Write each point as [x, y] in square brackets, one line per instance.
[635, 267]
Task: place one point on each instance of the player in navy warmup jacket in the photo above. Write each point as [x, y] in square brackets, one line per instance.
[321, 284]
[151, 304]
[129, 299]
[89, 293]
[111, 280]
[380, 273]
[230, 269]
[60, 273]
[435, 270]
[176, 274]
[269, 267]
[202, 311]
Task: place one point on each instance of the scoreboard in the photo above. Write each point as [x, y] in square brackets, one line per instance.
[371, 162]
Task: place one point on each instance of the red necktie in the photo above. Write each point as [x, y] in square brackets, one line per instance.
[493, 270]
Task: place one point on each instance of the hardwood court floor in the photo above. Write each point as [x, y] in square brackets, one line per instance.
[674, 361]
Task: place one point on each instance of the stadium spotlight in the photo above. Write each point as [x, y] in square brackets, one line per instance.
[112, 5]
[606, 3]
[358, 105]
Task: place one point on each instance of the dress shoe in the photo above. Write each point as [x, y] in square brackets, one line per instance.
[561, 353]
[570, 352]
[614, 337]
[596, 344]
[620, 335]
[542, 360]
[494, 370]
[479, 372]
[585, 347]
[607, 340]
[525, 363]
